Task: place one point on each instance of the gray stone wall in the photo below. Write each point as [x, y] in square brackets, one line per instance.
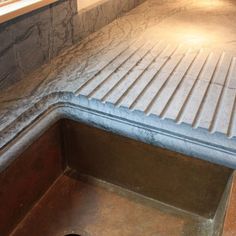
[31, 40]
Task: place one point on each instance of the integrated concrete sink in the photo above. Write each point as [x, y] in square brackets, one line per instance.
[81, 180]
[130, 131]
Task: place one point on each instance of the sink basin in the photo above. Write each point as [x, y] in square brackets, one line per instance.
[80, 180]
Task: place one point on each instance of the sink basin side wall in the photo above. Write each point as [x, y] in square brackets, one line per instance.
[184, 182]
[29, 177]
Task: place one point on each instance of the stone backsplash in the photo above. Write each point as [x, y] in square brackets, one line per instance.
[31, 40]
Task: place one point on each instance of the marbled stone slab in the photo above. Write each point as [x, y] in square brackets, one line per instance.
[132, 79]
[31, 40]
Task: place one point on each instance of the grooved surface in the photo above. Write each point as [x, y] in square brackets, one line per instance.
[187, 85]
[157, 74]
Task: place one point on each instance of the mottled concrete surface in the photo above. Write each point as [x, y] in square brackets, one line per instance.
[157, 74]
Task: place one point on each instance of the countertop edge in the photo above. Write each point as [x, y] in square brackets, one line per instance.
[17, 136]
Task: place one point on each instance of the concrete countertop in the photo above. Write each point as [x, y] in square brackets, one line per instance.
[139, 78]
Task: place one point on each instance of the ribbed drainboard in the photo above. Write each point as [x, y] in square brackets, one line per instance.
[193, 86]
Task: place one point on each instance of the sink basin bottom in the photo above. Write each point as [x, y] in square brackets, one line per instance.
[88, 206]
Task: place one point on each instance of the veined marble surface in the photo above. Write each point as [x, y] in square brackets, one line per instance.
[157, 74]
[31, 40]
